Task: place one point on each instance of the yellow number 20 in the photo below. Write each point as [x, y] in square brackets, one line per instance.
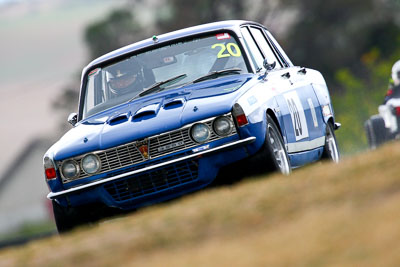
[236, 52]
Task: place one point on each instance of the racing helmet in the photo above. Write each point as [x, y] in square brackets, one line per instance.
[396, 73]
[124, 77]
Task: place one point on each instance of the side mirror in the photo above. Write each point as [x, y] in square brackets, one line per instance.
[73, 118]
[268, 66]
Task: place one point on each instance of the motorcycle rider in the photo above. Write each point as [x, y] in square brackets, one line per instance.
[394, 84]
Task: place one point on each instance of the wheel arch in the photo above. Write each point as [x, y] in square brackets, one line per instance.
[331, 120]
[271, 113]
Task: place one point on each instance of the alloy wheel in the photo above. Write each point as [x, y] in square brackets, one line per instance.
[278, 151]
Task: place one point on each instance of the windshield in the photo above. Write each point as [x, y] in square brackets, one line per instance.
[157, 70]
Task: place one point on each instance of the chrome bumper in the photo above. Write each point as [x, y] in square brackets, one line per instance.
[227, 146]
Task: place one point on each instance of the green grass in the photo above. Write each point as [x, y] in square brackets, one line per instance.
[322, 215]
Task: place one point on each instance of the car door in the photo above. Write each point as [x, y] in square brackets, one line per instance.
[304, 79]
[272, 82]
[301, 112]
[297, 101]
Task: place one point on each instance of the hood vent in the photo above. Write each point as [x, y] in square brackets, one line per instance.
[173, 104]
[118, 119]
[143, 114]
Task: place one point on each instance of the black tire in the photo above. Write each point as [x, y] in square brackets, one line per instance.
[331, 149]
[275, 151]
[67, 218]
[376, 131]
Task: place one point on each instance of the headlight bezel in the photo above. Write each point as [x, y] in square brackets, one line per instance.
[98, 163]
[77, 167]
[230, 123]
[194, 127]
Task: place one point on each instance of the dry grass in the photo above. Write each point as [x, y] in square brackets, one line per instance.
[321, 215]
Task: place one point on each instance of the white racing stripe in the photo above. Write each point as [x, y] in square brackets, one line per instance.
[305, 145]
[313, 114]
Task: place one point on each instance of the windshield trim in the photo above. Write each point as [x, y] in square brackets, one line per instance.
[84, 80]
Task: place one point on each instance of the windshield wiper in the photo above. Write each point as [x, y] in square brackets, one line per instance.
[157, 86]
[215, 74]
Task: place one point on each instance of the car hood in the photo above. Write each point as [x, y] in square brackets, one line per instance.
[152, 115]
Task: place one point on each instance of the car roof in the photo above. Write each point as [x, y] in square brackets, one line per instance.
[232, 25]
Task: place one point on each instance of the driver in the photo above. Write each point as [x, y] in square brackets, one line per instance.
[125, 77]
[394, 85]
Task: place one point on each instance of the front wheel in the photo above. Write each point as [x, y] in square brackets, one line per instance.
[277, 155]
[331, 150]
[67, 218]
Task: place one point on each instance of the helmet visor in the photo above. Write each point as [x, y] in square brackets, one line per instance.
[122, 81]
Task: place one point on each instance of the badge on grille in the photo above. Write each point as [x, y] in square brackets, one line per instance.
[143, 148]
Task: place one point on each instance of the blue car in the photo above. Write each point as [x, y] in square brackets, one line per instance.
[159, 118]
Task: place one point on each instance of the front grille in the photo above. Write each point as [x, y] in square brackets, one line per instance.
[115, 158]
[159, 145]
[174, 141]
[153, 181]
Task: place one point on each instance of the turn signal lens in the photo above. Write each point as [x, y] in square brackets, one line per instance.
[326, 111]
[241, 120]
[239, 115]
[50, 173]
[49, 169]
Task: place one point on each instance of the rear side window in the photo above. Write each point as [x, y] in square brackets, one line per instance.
[282, 53]
[265, 47]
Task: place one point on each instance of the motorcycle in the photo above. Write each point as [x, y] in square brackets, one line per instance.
[385, 126]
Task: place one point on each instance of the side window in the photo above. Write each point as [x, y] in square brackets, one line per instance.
[89, 95]
[265, 47]
[279, 48]
[255, 53]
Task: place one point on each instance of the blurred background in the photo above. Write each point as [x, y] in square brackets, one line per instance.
[45, 44]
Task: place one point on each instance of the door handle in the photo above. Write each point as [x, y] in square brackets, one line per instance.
[286, 75]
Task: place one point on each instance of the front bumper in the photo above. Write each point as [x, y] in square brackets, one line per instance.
[85, 187]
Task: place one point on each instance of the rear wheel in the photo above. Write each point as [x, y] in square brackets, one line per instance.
[376, 131]
[331, 150]
[276, 154]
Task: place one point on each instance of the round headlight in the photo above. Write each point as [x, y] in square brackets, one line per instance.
[200, 132]
[70, 169]
[223, 126]
[91, 164]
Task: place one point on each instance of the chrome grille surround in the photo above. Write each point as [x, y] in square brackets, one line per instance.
[158, 145]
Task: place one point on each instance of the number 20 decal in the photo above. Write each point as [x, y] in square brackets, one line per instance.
[297, 115]
[298, 130]
[236, 52]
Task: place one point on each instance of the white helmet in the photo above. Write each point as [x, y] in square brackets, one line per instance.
[396, 73]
